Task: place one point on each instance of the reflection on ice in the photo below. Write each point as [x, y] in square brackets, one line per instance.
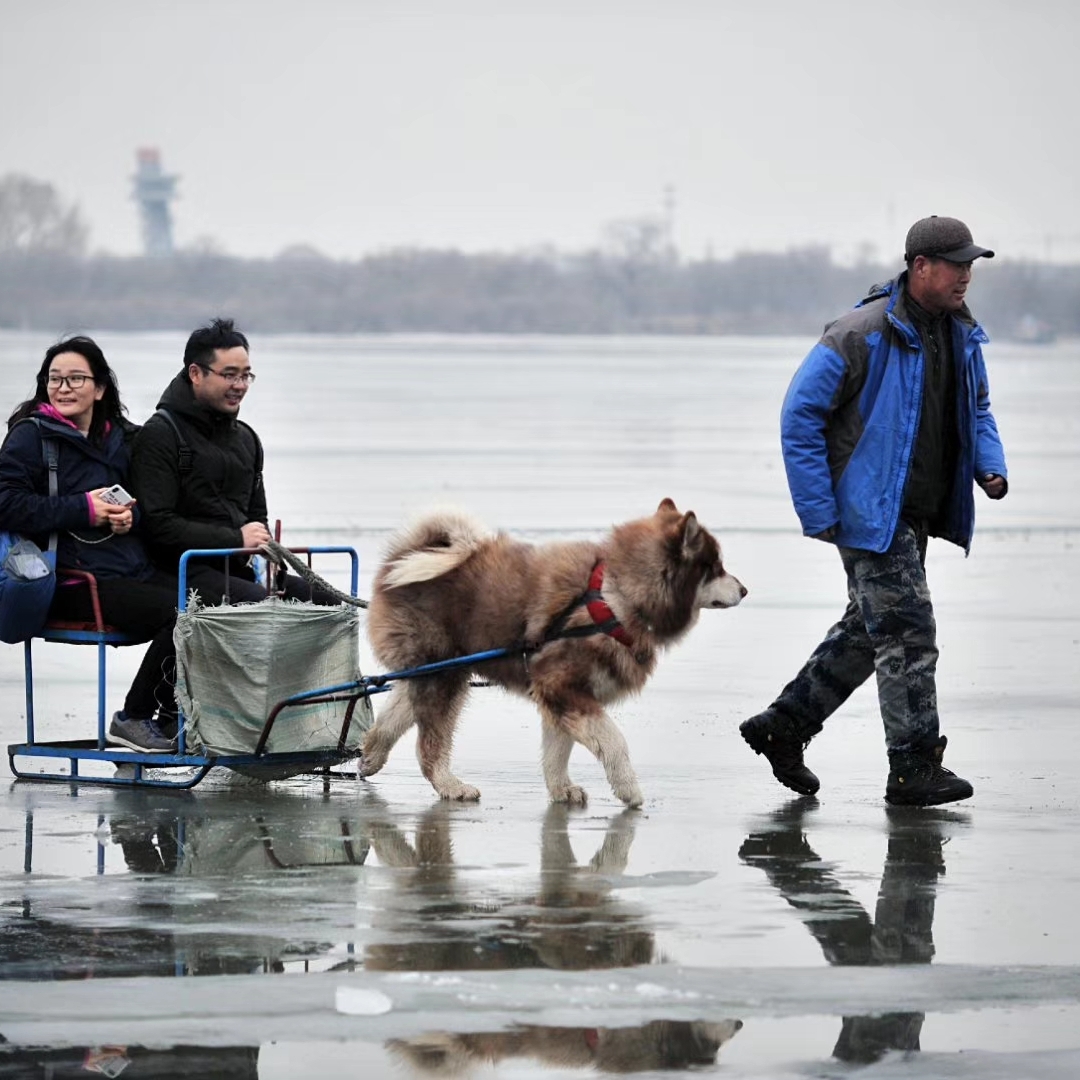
[196, 897]
[573, 921]
[243, 884]
[132, 1062]
[666, 1045]
[901, 931]
[662, 1044]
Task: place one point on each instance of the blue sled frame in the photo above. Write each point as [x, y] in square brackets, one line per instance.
[76, 751]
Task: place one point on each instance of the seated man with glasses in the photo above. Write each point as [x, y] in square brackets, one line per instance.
[197, 471]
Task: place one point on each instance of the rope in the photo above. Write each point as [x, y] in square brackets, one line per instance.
[276, 553]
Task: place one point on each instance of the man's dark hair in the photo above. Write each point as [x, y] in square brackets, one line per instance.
[220, 334]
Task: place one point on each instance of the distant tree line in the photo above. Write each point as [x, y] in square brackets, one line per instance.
[633, 284]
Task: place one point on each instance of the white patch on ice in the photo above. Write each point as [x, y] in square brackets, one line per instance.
[354, 1001]
[652, 990]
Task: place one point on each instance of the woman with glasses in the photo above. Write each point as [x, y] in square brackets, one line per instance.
[77, 405]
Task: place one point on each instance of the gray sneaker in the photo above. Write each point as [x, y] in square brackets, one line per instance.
[139, 734]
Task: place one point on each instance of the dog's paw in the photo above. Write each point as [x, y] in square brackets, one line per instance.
[460, 793]
[366, 767]
[571, 794]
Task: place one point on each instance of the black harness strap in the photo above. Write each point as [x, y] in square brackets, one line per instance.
[604, 620]
[557, 629]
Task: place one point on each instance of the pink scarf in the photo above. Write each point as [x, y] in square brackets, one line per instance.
[50, 413]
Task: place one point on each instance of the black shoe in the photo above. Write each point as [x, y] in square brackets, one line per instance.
[917, 778]
[776, 738]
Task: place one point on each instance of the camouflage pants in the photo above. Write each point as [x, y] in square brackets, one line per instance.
[887, 629]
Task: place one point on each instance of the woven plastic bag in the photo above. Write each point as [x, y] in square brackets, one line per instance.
[235, 663]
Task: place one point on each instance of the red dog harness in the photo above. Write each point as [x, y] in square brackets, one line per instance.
[604, 620]
[601, 614]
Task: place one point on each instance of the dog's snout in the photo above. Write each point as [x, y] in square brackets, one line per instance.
[743, 590]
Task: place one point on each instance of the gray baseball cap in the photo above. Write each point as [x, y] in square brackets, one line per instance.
[943, 238]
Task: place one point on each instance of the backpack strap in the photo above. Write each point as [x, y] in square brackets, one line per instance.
[258, 449]
[183, 451]
[50, 455]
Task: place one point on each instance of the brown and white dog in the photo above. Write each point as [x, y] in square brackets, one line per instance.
[586, 620]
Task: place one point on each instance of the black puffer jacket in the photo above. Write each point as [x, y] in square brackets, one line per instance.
[206, 505]
[27, 507]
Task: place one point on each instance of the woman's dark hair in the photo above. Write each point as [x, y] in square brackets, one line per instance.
[108, 410]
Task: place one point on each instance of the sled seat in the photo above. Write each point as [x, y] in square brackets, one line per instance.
[97, 632]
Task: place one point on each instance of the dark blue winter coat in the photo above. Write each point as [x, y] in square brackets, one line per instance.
[27, 508]
[851, 416]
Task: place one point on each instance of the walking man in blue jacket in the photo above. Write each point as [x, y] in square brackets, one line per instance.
[885, 429]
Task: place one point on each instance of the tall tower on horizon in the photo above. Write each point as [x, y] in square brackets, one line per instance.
[668, 220]
[154, 191]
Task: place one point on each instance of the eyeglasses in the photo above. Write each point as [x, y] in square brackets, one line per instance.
[233, 378]
[75, 382]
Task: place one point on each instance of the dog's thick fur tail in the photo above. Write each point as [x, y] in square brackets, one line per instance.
[433, 546]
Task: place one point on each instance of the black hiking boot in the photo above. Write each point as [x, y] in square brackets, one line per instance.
[775, 737]
[917, 778]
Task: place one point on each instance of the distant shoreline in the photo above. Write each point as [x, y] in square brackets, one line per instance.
[449, 292]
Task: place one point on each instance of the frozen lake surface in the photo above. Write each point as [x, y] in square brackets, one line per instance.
[366, 929]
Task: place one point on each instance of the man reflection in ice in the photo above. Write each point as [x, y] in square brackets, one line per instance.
[901, 931]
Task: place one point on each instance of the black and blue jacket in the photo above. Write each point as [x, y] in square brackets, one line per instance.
[851, 416]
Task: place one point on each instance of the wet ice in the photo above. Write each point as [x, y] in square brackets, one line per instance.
[224, 924]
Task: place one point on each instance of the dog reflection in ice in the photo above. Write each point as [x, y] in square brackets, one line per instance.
[661, 1044]
[587, 621]
[574, 921]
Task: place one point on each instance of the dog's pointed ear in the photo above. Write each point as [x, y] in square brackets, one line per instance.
[691, 533]
[667, 504]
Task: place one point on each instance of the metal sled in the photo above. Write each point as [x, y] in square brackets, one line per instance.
[196, 764]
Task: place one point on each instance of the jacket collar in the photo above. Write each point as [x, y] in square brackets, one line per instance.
[179, 398]
[899, 315]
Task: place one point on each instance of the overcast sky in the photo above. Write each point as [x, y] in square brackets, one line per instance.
[362, 125]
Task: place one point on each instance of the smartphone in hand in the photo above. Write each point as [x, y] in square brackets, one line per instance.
[116, 495]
